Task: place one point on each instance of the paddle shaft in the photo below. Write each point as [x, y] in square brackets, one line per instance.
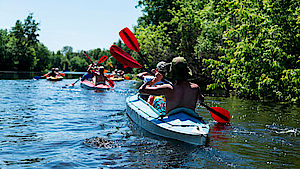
[38, 77]
[75, 82]
[88, 58]
[214, 111]
[135, 48]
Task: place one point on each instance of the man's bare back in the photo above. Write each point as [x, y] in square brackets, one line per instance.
[181, 94]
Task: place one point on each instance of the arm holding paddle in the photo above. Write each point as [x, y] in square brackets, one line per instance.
[156, 90]
[89, 70]
[39, 77]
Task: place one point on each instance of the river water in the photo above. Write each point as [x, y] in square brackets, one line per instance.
[44, 124]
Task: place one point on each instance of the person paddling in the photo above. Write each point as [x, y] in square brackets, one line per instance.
[160, 71]
[99, 77]
[182, 94]
[53, 73]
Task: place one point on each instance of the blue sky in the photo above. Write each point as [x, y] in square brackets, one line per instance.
[82, 24]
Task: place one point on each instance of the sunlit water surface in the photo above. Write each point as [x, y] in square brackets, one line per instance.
[44, 124]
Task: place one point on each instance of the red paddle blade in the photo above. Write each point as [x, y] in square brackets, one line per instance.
[111, 83]
[123, 57]
[220, 115]
[102, 59]
[129, 39]
[62, 74]
[87, 57]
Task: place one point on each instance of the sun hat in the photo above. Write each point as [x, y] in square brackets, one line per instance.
[179, 69]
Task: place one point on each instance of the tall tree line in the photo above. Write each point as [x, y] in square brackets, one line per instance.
[20, 50]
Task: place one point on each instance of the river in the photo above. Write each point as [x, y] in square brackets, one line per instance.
[48, 125]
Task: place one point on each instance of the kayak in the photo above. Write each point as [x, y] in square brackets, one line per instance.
[116, 78]
[90, 85]
[56, 78]
[181, 124]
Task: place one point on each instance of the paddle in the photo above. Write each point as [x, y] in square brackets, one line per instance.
[38, 77]
[124, 58]
[73, 83]
[111, 83]
[88, 58]
[219, 114]
[132, 43]
[102, 59]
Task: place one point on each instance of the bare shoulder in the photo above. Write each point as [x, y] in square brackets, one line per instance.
[194, 85]
[165, 86]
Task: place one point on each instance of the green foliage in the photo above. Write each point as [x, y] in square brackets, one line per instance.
[259, 47]
[154, 43]
[155, 11]
[251, 47]
[25, 43]
[43, 55]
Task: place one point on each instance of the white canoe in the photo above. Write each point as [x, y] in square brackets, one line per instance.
[181, 124]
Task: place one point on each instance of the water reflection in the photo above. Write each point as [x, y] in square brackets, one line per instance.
[220, 132]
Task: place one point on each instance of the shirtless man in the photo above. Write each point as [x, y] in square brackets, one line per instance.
[182, 94]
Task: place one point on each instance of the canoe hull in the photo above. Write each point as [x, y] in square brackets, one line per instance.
[89, 85]
[179, 126]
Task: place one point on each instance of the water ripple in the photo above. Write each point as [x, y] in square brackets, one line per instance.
[51, 125]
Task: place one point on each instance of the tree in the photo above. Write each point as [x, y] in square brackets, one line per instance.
[43, 55]
[25, 44]
[5, 61]
[155, 11]
[66, 49]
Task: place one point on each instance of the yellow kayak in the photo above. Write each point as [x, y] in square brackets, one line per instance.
[56, 78]
[116, 78]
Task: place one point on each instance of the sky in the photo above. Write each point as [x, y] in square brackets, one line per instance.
[81, 24]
